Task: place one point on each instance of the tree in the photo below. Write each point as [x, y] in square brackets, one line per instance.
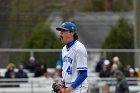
[42, 37]
[94, 5]
[122, 5]
[121, 37]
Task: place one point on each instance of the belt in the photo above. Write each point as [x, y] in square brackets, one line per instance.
[67, 84]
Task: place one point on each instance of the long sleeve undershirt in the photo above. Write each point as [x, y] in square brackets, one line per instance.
[82, 76]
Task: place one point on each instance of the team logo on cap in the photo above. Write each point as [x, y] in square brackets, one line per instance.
[63, 25]
[72, 27]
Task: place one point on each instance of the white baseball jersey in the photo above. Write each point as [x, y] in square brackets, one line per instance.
[74, 59]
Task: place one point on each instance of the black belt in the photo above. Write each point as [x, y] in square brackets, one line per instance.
[64, 84]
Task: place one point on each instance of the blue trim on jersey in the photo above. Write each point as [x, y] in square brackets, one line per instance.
[82, 76]
[70, 44]
[82, 68]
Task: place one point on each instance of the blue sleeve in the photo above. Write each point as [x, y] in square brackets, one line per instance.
[82, 76]
[59, 61]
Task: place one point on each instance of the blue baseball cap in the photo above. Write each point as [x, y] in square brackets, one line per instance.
[67, 26]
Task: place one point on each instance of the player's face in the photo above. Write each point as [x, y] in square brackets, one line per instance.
[118, 77]
[66, 36]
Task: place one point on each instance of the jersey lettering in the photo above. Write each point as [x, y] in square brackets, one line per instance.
[68, 59]
[69, 70]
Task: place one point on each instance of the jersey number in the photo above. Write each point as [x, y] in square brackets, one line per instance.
[69, 70]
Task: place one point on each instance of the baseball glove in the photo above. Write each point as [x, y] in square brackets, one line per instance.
[57, 88]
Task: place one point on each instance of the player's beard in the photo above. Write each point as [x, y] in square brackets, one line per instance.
[62, 39]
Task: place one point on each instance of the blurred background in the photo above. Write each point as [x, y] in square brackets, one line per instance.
[109, 29]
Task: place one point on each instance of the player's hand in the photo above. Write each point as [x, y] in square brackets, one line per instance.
[62, 90]
[69, 89]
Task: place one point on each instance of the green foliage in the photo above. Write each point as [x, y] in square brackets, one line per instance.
[98, 5]
[121, 37]
[94, 5]
[117, 5]
[43, 38]
[122, 5]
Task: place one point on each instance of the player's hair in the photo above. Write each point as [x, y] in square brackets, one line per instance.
[75, 36]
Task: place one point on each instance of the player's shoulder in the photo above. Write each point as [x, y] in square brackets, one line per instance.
[79, 45]
[64, 48]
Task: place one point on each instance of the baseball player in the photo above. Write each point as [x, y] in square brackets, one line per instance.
[74, 56]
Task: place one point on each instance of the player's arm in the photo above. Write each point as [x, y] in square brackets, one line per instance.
[81, 77]
[81, 67]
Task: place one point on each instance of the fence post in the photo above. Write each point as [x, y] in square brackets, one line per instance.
[32, 86]
[100, 90]
[31, 54]
[104, 54]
